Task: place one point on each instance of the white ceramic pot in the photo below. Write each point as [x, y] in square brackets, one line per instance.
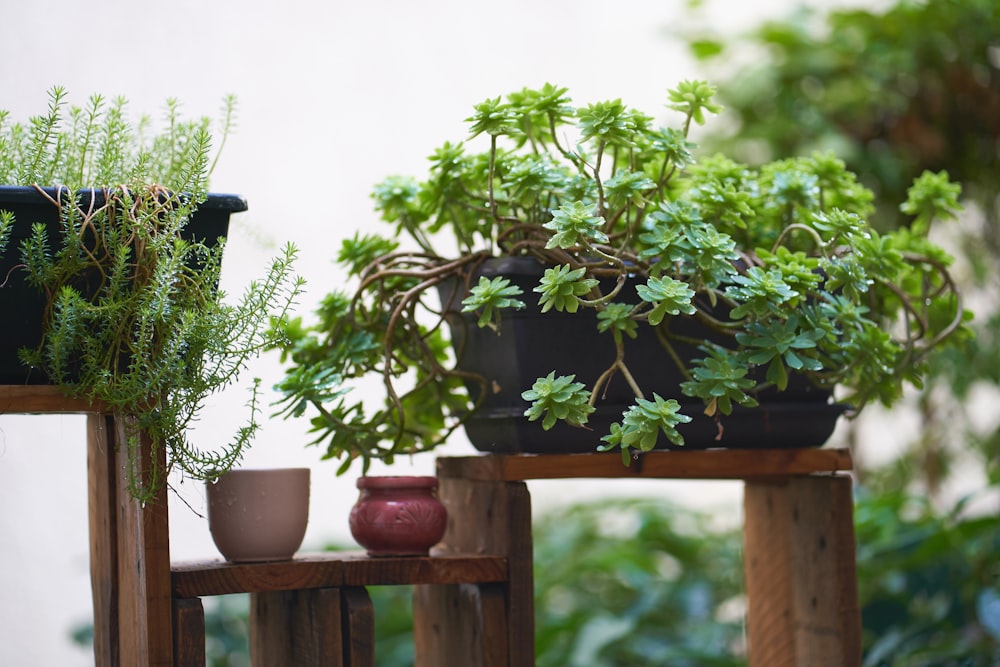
[259, 515]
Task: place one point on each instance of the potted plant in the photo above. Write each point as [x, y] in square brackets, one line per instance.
[748, 284]
[101, 225]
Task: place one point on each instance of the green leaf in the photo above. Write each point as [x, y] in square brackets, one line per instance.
[575, 224]
[489, 297]
[720, 379]
[617, 317]
[705, 49]
[668, 296]
[607, 121]
[492, 117]
[694, 99]
[560, 288]
[931, 197]
[643, 422]
[558, 398]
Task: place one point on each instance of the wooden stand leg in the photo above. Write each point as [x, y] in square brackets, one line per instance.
[129, 556]
[145, 601]
[358, 627]
[457, 624]
[103, 513]
[801, 584]
[189, 633]
[320, 627]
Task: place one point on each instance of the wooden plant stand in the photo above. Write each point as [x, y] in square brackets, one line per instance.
[799, 548]
[473, 600]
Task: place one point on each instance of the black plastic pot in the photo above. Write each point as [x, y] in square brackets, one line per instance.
[531, 345]
[22, 305]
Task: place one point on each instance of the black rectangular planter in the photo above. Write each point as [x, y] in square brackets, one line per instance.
[22, 306]
[532, 344]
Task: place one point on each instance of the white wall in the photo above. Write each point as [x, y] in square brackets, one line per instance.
[333, 97]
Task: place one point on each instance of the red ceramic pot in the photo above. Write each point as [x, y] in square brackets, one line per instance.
[398, 516]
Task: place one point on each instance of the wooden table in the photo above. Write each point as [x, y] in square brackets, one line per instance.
[473, 599]
[799, 548]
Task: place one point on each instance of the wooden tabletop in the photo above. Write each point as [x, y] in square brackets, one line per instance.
[41, 399]
[673, 464]
[332, 569]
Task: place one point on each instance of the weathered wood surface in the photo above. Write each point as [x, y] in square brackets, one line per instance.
[145, 602]
[189, 633]
[42, 399]
[705, 464]
[103, 514]
[358, 627]
[332, 569]
[463, 624]
[801, 579]
[296, 628]
[129, 555]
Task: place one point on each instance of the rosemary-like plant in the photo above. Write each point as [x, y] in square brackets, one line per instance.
[135, 320]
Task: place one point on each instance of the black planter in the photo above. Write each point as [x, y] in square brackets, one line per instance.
[22, 305]
[531, 345]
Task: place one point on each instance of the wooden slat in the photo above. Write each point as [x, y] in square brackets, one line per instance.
[42, 399]
[103, 512]
[483, 517]
[145, 603]
[297, 629]
[331, 569]
[189, 633]
[705, 464]
[357, 626]
[495, 628]
[800, 573]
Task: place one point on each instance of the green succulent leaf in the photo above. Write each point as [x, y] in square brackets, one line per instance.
[493, 117]
[931, 197]
[668, 296]
[608, 121]
[561, 288]
[575, 224]
[643, 422]
[694, 100]
[720, 379]
[628, 187]
[779, 344]
[489, 297]
[760, 292]
[360, 251]
[617, 318]
[558, 398]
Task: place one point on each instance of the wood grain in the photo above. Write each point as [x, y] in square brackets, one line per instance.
[358, 626]
[705, 464]
[801, 579]
[450, 622]
[332, 569]
[296, 628]
[103, 512]
[189, 633]
[42, 399]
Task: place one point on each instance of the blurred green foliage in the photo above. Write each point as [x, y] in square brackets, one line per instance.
[928, 581]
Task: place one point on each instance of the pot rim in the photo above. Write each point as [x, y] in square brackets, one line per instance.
[397, 482]
[265, 471]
